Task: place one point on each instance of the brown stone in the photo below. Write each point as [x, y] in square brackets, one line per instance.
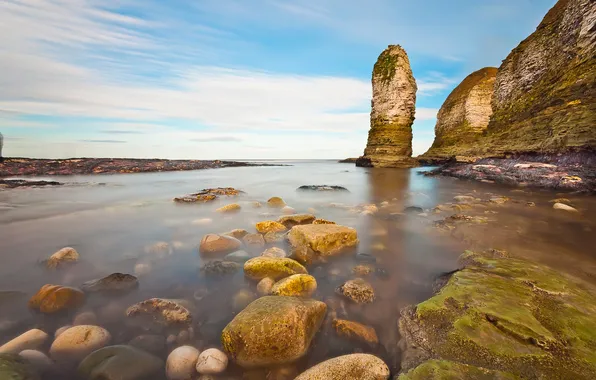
[317, 242]
[213, 243]
[270, 226]
[55, 298]
[356, 331]
[357, 290]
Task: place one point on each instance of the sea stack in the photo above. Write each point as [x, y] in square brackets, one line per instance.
[464, 116]
[393, 107]
[545, 91]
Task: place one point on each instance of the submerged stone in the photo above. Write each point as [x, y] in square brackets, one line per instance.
[317, 242]
[55, 298]
[116, 282]
[120, 363]
[357, 290]
[14, 367]
[162, 312]
[213, 243]
[67, 255]
[355, 331]
[276, 268]
[445, 369]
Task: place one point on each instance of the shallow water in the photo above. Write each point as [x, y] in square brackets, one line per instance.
[113, 220]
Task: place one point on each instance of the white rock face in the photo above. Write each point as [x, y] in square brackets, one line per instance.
[31, 340]
[181, 363]
[77, 342]
[212, 361]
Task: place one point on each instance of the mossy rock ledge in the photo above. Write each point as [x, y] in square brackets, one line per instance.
[503, 314]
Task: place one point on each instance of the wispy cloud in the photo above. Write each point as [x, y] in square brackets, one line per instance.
[104, 141]
[217, 139]
[121, 132]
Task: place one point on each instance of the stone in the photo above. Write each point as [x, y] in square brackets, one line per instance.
[209, 195]
[254, 240]
[152, 343]
[321, 188]
[181, 363]
[317, 242]
[322, 221]
[219, 268]
[290, 221]
[202, 222]
[355, 331]
[238, 257]
[160, 249]
[564, 207]
[297, 285]
[30, 340]
[498, 200]
[275, 237]
[276, 202]
[270, 226]
[284, 372]
[61, 330]
[274, 252]
[445, 369]
[461, 199]
[348, 367]
[357, 290]
[77, 342]
[393, 107]
[274, 267]
[413, 210]
[464, 116]
[272, 331]
[38, 360]
[161, 312]
[529, 310]
[120, 363]
[67, 255]
[211, 362]
[55, 298]
[230, 208]
[237, 233]
[14, 367]
[242, 299]
[85, 318]
[116, 282]
[265, 286]
[287, 210]
[212, 244]
[363, 270]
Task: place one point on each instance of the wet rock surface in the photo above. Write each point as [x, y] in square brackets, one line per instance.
[114, 283]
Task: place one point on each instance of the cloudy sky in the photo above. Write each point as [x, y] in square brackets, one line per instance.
[231, 78]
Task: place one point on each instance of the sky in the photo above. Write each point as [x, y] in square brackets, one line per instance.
[231, 79]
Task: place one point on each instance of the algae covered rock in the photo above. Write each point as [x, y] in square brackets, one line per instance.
[317, 242]
[464, 115]
[14, 367]
[296, 285]
[355, 331]
[273, 330]
[506, 314]
[348, 367]
[393, 107]
[445, 370]
[56, 298]
[260, 267]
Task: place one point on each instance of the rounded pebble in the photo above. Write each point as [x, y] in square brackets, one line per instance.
[181, 363]
[77, 342]
[212, 361]
[38, 360]
[85, 318]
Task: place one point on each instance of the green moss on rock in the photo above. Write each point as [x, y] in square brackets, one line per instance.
[448, 370]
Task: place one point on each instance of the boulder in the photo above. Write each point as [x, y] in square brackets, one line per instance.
[14, 367]
[120, 363]
[445, 369]
[116, 282]
[393, 108]
[290, 221]
[233, 207]
[276, 268]
[30, 340]
[56, 298]
[181, 363]
[213, 243]
[161, 312]
[211, 362]
[276, 202]
[348, 367]
[296, 285]
[77, 342]
[254, 240]
[357, 290]
[273, 330]
[274, 252]
[355, 331]
[533, 322]
[67, 255]
[317, 242]
[270, 226]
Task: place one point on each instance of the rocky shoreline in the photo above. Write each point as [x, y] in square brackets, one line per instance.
[83, 166]
[561, 172]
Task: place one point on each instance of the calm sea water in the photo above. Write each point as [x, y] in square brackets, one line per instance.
[112, 221]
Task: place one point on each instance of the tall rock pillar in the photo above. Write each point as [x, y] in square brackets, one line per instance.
[393, 107]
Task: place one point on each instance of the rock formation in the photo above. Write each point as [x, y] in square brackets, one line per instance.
[393, 106]
[464, 116]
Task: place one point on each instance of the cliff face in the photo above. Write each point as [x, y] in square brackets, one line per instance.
[393, 106]
[464, 116]
[545, 90]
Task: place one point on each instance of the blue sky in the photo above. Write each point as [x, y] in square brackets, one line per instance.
[231, 78]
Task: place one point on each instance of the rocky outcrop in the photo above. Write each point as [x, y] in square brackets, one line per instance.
[464, 116]
[393, 106]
